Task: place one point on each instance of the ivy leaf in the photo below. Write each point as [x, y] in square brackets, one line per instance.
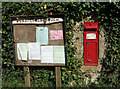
[83, 5]
[72, 20]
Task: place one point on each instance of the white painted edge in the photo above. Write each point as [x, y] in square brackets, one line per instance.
[38, 21]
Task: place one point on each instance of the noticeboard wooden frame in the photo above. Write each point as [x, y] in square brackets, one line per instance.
[21, 34]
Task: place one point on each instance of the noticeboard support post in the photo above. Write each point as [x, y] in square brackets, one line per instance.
[58, 77]
[57, 73]
[27, 76]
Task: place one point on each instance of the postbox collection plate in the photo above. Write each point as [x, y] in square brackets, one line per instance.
[91, 36]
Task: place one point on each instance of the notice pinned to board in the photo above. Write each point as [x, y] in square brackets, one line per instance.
[34, 51]
[56, 34]
[22, 50]
[46, 54]
[59, 54]
[52, 54]
[42, 35]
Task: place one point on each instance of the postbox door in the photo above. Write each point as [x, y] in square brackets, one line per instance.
[91, 52]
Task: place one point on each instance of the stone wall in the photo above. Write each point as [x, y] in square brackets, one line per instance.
[77, 40]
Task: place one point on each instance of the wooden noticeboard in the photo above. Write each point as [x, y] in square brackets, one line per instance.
[24, 31]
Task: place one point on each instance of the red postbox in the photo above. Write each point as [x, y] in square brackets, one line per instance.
[91, 43]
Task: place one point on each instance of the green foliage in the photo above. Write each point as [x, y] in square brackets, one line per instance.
[107, 14]
[43, 77]
[13, 77]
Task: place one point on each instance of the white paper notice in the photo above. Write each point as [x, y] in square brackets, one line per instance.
[22, 50]
[34, 51]
[46, 54]
[18, 53]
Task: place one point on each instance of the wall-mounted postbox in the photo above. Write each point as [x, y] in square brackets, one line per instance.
[91, 43]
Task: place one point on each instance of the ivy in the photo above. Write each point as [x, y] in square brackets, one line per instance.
[107, 14]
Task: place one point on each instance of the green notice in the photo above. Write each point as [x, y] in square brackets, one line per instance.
[42, 35]
[59, 54]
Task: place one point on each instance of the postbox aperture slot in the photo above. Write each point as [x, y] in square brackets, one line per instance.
[90, 29]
